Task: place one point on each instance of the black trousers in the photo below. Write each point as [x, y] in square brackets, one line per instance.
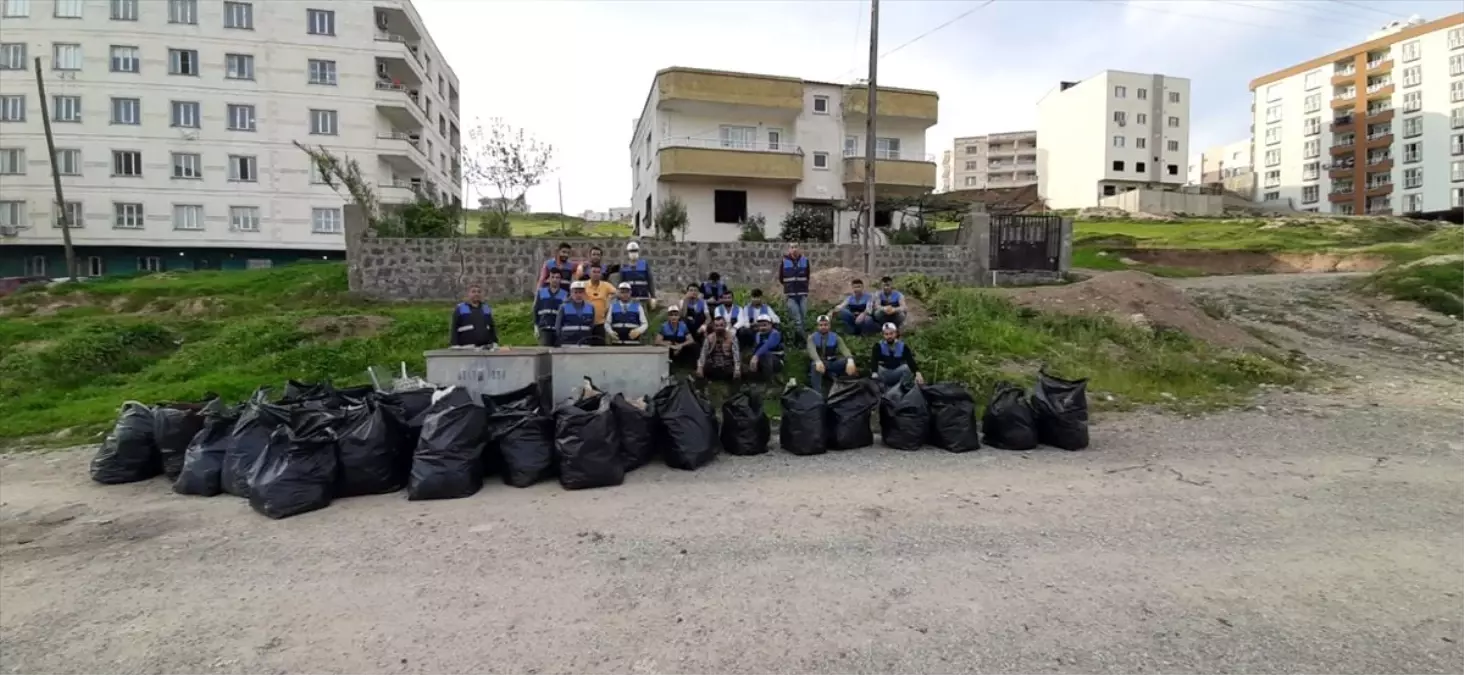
[687, 356]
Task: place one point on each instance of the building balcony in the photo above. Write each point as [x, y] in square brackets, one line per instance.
[892, 176]
[1376, 92]
[1343, 100]
[698, 159]
[1338, 172]
[401, 105]
[692, 90]
[1380, 164]
[1379, 190]
[401, 150]
[904, 104]
[400, 53]
[1342, 147]
[1380, 140]
[1379, 116]
[1340, 196]
[1344, 124]
[1380, 66]
[399, 191]
[1344, 77]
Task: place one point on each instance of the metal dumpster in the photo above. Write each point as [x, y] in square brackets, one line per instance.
[617, 369]
[487, 372]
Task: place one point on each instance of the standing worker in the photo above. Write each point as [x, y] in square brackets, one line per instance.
[546, 309]
[713, 287]
[559, 262]
[576, 321]
[627, 318]
[598, 293]
[636, 273]
[472, 322]
[827, 354]
[894, 361]
[794, 273]
[597, 256]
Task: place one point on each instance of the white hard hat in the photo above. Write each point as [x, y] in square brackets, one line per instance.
[673, 308]
[632, 246]
[624, 286]
[578, 285]
[764, 319]
[890, 326]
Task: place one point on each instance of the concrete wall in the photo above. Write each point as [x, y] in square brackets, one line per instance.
[1163, 201]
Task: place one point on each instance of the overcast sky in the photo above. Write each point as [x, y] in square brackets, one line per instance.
[576, 73]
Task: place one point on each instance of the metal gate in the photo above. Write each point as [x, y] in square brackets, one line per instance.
[1025, 243]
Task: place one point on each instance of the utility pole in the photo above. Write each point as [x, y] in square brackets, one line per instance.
[56, 176]
[561, 207]
[869, 144]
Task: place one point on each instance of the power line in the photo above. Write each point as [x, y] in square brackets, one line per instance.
[1147, 8]
[926, 34]
[1315, 17]
[858, 24]
[1366, 7]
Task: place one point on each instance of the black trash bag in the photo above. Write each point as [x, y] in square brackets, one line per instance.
[1008, 423]
[130, 452]
[586, 443]
[952, 417]
[801, 430]
[405, 410]
[368, 452]
[1060, 408]
[448, 462]
[296, 391]
[525, 442]
[248, 440]
[528, 399]
[636, 424]
[851, 407]
[745, 426]
[904, 418]
[203, 462]
[688, 426]
[297, 472]
[354, 395]
[174, 426]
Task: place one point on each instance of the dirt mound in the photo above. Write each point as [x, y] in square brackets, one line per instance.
[333, 328]
[1138, 298]
[829, 287]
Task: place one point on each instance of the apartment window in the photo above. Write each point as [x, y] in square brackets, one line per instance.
[970, 149]
[322, 71]
[1312, 81]
[820, 160]
[73, 214]
[1412, 178]
[326, 221]
[1456, 197]
[126, 111]
[1412, 126]
[1141, 118]
[1410, 50]
[1310, 193]
[183, 62]
[323, 122]
[1271, 197]
[124, 10]
[69, 9]
[1273, 114]
[127, 216]
[242, 168]
[241, 117]
[1273, 135]
[65, 56]
[12, 214]
[1118, 141]
[239, 15]
[887, 148]
[1118, 165]
[970, 166]
[1313, 103]
[821, 105]
[12, 161]
[126, 163]
[185, 114]
[188, 216]
[12, 56]
[1412, 76]
[1412, 152]
[1174, 169]
[851, 146]
[1456, 144]
[65, 108]
[125, 59]
[1273, 157]
[149, 263]
[320, 22]
[15, 8]
[1172, 146]
[1142, 94]
[1412, 203]
[182, 11]
[68, 162]
[1311, 148]
[1456, 38]
[239, 66]
[12, 108]
[970, 181]
[1120, 117]
[1456, 91]
[1412, 101]
[244, 218]
[187, 165]
[1273, 178]
[1173, 122]
[1312, 126]
[1456, 64]
[1311, 171]
[1120, 92]
[1456, 171]
[1139, 166]
[1140, 142]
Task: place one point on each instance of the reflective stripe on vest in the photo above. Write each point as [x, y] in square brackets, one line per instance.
[625, 316]
[578, 318]
[549, 306]
[795, 276]
[637, 276]
[679, 334]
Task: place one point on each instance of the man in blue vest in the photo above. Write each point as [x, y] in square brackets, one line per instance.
[728, 310]
[793, 274]
[678, 337]
[696, 311]
[546, 310]
[627, 318]
[637, 273]
[856, 312]
[576, 318]
[756, 309]
[472, 322]
[559, 262]
[713, 288]
[827, 354]
[894, 360]
[767, 350]
[890, 304]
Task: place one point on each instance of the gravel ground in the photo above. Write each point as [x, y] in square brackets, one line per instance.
[1317, 532]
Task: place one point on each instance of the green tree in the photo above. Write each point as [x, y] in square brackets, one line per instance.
[670, 219]
[754, 228]
[808, 225]
[495, 224]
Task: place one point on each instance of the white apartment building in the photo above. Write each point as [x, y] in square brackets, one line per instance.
[175, 123]
[1113, 132]
[1006, 160]
[1228, 164]
[732, 146]
[1374, 128]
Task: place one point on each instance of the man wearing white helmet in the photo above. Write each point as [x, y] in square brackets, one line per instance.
[576, 321]
[626, 317]
[677, 336]
[637, 273]
[894, 362]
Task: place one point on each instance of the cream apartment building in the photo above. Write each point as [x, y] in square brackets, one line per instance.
[1113, 132]
[1377, 127]
[1228, 165]
[731, 146]
[1005, 160]
[174, 123]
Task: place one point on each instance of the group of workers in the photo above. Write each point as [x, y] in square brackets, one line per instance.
[576, 304]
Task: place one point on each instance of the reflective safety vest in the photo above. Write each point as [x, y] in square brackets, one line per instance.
[898, 352]
[566, 269]
[546, 306]
[795, 276]
[624, 317]
[732, 313]
[676, 335]
[638, 276]
[891, 300]
[754, 313]
[826, 344]
[715, 291]
[759, 338]
[577, 322]
[857, 304]
[694, 312]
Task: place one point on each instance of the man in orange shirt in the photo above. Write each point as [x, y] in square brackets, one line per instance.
[598, 293]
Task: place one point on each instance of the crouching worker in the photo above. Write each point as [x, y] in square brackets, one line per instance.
[677, 336]
[472, 322]
[767, 350]
[854, 311]
[719, 360]
[576, 320]
[827, 355]
[894, 361]
[890, 304]
[546, 310]
[627, 318]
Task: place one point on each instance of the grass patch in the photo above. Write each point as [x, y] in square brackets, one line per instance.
[554, 225]
[1437, 286]
[1088, 257]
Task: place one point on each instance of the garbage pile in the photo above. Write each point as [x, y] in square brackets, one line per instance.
[317, 443]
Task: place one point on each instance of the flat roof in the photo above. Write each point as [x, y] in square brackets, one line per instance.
[1412, 31]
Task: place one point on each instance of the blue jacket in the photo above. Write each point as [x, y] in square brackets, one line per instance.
[624, 317]
[769, 342]
[857, 304]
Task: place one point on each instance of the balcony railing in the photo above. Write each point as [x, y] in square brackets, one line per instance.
[1350, 70]
[1379, 86]
[762, 145]
[880, 154]
[1378, 63]
[1378, 159]
[1345, 96]
[1343, 143]
[1343, 191]
[391, 86]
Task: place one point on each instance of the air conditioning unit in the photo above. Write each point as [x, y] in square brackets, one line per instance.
[9, 230]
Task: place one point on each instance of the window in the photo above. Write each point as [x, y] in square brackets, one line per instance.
[887, 148]
[1456, 144]
[242, 168]
[1140, 142]
[1456, 197]
[241, 117]
[1412, 152]
[319, 22]
[182, 11]
[66, 109]
[1172, 146]
[1410, 50]
[1273, 157]
[1273, 178]
[126, 163]
[1312, 126]
[1313, 103]
[1310, 193]
[126, 111]
[68, 162]
[970, 149]
[15, 8]
[127, 216]
[1173, 122]
[125, 59]
[970, 181]
[94, 266]
[970, 166]
[323, 122]
[1456, 64]
[12, 108]
[239, 66]
[1412, 203]
[1412, 178]
[188, 216]
[185, 114]
[1412, 75]
[1174, 169]
[1456, 171]
[1311, 171]
[12, 56]
[821, 160]
[12, 161]
[1142, 94]
[322, 71]
[328, 221]
[851, 146]
[73, 214]
[1120, 117]
[1118, 141]
[149, 263]
[1120, 92]
[1271, 197]
[1311, 148]
[65, 56]
[1273, 135]
[183, 62]
[1273, 114]
[1456, 91]
[1412, 126]
[1139, 166]
[124, 10]
[1118, 165]
[1141, 118]
[1412, 101]
[12, 214]
[69, 9]
[821, 105]
[244, 218]
[1456, 38]
[1312, 80]
[239, 15]
[187, 165]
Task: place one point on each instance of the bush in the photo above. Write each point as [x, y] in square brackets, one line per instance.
[754, 228]
[670, 219]
[496, 225]
[808, 225]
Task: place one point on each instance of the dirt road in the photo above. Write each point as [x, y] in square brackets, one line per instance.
[1315, 532]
